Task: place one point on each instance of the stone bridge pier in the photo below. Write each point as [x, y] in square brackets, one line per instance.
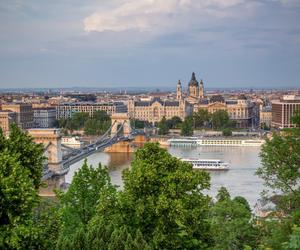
[51, 139]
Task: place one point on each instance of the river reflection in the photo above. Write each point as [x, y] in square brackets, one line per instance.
[239, 180]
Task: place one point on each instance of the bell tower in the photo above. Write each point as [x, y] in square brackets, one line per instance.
[201, 90]
[179, 91]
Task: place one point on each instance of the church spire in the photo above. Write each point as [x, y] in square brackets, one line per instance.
[179, 91]
[201, 90]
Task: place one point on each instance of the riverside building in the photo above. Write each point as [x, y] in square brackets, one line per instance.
[44, 117]
[6, 119]
[283, 110]
[65, 110]
[241, 110]
[24, 114]
[155, 109]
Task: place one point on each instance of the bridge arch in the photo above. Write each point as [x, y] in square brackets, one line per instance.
[120, 119]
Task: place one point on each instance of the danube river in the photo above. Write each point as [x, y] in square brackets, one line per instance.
[239, 180]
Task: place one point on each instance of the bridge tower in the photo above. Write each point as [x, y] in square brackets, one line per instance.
[119, 119]
[51, 139]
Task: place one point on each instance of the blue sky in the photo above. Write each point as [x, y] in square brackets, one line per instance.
[149, 43]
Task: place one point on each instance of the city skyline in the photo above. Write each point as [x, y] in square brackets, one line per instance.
[142, 43]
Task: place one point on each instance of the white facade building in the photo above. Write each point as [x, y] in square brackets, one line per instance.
[44, 117]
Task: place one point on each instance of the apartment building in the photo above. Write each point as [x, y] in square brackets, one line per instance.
[66, 110]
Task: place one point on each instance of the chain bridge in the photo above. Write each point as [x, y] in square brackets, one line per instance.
[58, 165]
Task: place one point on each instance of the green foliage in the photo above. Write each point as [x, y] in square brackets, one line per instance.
[294, 239]
[187, 127]
[231, 225]
[280, 163]
[163, 198]
[223, 194]
[174, 122]
[41, 230]
[27, 153]
[21, 162]
[296, 118]
[78, 204]
[101, 115]
[220, 119]
[227, 132]
[138, 124]
[280, 171]
[96, 125]
[18, 197]
[201, 118]
[163, 127]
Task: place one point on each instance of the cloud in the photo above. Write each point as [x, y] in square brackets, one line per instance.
[149, 15]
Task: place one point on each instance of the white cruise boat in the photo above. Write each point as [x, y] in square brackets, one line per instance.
[207, 164]
[226, 142]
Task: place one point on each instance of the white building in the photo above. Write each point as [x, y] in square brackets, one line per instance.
[44, 117]
[66, 110]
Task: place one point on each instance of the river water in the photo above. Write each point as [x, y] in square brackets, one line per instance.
[240, 180]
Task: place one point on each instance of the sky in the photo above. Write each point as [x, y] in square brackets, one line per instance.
[149, 43]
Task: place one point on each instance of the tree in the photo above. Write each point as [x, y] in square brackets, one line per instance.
[201, 118]
[231, 225]
[27, 152]
[220, 119]
[163, 127]
[20, 177]
[98, 124]
[79, 203]
[101, 115]
[163, 199]
[174, 122]
[227, 132]
[139, 124]
[280, 163]
[294, 240]
[187, 127]
[78, 120]
[280, 171]
[18, 198]
[42, 229]
[296, 118]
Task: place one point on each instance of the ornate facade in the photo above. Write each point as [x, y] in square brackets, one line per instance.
[195, 90]
[155, 109]
[240, 110]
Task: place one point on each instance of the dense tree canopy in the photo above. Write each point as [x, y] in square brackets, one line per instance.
[78, 204]
[174, 123]
[21, 164]
[231, 223]
[95, 125]
[162, 205]
[163, 128]
[220, 119]
[163, 198]
[280, 171]
[201, 118]
[187, 127]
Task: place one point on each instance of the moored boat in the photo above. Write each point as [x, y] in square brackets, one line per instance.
[207, 164]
